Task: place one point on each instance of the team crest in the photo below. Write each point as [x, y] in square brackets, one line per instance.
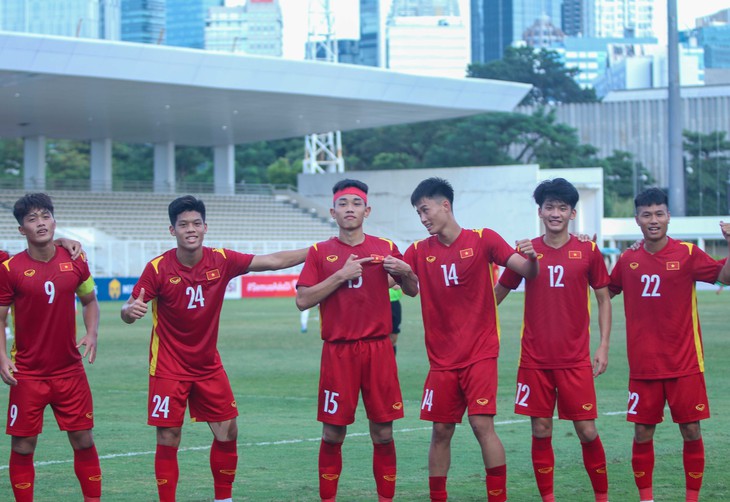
[234, 405]
[466, 253]
[430, 259]
[539, 256]
[175, 280]
[672, 265]
[66, 267]
[633, 265]
[482, 401]
[332, 258]
[398, 406]
[700, 407]
[212, 275]
[89, 415]
[575, 255]
[587, 406]
[29, 273]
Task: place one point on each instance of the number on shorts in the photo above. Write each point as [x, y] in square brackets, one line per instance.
[633, 403]
[523, 392]
[13, 414]
[162, 405]
[330, 402]
[50, 290]
[427, 399]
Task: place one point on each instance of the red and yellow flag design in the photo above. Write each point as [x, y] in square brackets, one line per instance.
[466, 253]
[212, 275]
[66, 267]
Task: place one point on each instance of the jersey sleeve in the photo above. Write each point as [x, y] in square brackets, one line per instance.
[238, 263]
[510, 279]
[6, 288]
[310, 273]
[496, 246]
[704, 267]
[616, 285]
[148, 281]
[597, 273]
[410, 256]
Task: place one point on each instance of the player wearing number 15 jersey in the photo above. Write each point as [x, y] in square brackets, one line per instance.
[186, 286]
[555, 360]
[46, 368]
[663, 338]
[348, 277]
[462, 330]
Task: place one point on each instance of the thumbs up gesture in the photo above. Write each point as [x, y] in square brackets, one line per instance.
[135, 308]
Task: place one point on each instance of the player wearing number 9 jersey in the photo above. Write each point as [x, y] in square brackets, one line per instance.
[663, 337]
[348, 277]
[46, 368]
[186, 286]
[462, 331]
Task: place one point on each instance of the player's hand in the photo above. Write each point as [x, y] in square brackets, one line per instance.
[636, 245]
[395, 267]
[72, 246]
[138, 308]
[600, 361]
[524, 246]
[586, 237]
[353, 267]
[89, 342]
[725, 227]
[7, 368]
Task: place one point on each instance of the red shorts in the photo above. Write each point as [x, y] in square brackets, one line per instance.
[69, 398]
[686, 396]
[210, 400]
[538, 390]
[348, 368]
[448, 393]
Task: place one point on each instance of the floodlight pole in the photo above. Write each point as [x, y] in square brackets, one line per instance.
[677, 194]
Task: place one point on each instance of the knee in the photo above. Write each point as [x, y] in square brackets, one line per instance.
[690, 431]
[81, 440]
[482, 428]
[586, 432]
[334, 434]
[169, 436]
[442, 433]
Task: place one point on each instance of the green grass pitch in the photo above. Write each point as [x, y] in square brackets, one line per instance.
[274, 372]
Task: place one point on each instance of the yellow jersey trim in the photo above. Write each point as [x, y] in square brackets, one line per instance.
[156, 264]
[155, 344]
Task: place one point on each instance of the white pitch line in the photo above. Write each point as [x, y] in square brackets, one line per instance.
[269, 443]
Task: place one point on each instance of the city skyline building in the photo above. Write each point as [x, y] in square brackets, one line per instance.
[253, 28]
[617, 18]
[143, 21]
[371, 50]
[100, 19]
[185, 22]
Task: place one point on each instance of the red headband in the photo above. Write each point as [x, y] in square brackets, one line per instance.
[351, 191]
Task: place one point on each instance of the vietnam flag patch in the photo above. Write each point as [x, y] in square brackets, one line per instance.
[672, 265]
[575, 255]
[377, 258]
[466, 253]
[212, 275]
[66, 267]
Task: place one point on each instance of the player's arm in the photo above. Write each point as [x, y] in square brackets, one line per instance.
[526, 267]
[277, 261]
[398, 268]
[7, 368]
[134, 308]
[724, 276]
[309, 296]
[500, 292]
[600, 359]
[90, 312]
[70, 245]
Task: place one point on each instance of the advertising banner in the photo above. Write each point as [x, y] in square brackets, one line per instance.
[258, 286]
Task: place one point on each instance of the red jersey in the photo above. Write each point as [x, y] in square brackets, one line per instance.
[557, 311]
[663, 335]
[457, 297]
[359, 308]
[186, 307]
[43, 296]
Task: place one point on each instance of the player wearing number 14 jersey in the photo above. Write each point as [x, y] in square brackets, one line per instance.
[555, 361]
[186, 286]
[663, 338]
[462, 331]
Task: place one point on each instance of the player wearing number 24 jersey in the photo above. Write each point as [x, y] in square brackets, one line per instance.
[663, 339]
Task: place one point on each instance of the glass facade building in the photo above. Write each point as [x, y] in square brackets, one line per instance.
[68, 18]
[143, 21]
[185, 22]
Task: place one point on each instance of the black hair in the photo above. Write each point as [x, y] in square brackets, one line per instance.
[347, 183]
[650, 197]
[558, 189]
[24, 205]
[182, 204]
[431, 188]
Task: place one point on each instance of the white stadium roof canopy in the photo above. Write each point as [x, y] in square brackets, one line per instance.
[94, 89]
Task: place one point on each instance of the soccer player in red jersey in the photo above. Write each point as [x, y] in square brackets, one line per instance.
[186, 286]
[46, 367]
[555, 360]
[348, 277]
[462, 330]
[664, 340]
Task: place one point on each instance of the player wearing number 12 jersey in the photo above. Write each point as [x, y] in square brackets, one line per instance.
[186, 286]
[462, 330]
[555, 360]
[46, 368]
[348, 277]
[663, 338]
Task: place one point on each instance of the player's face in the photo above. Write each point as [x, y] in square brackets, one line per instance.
[350, 211]
[189, 230]
[556, 215]
[434, 214]
[38, 226]
[653, 221]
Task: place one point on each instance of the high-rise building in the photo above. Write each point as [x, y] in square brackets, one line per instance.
[572, 17]
[185, 22]
[427, 37]
[371, 34]
[69, 18]
[498, 24]
[255, 28]
[143, 21]
[618, 18]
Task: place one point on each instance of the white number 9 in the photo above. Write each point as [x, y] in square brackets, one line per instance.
[50, 291]
[13, 414]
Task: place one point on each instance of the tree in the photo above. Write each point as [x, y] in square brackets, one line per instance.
[552, 81]
[11, 161]
[623, 178]
[707, 170]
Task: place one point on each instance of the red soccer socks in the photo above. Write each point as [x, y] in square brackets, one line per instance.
[166, 472]
[497, 484]
[330, 468]
[694, 467]
[594, 460]
[384, 469]
[88, 471]
[223, 463]
[437, 488]
[22, 475]
[642, 461]
[543, 463]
